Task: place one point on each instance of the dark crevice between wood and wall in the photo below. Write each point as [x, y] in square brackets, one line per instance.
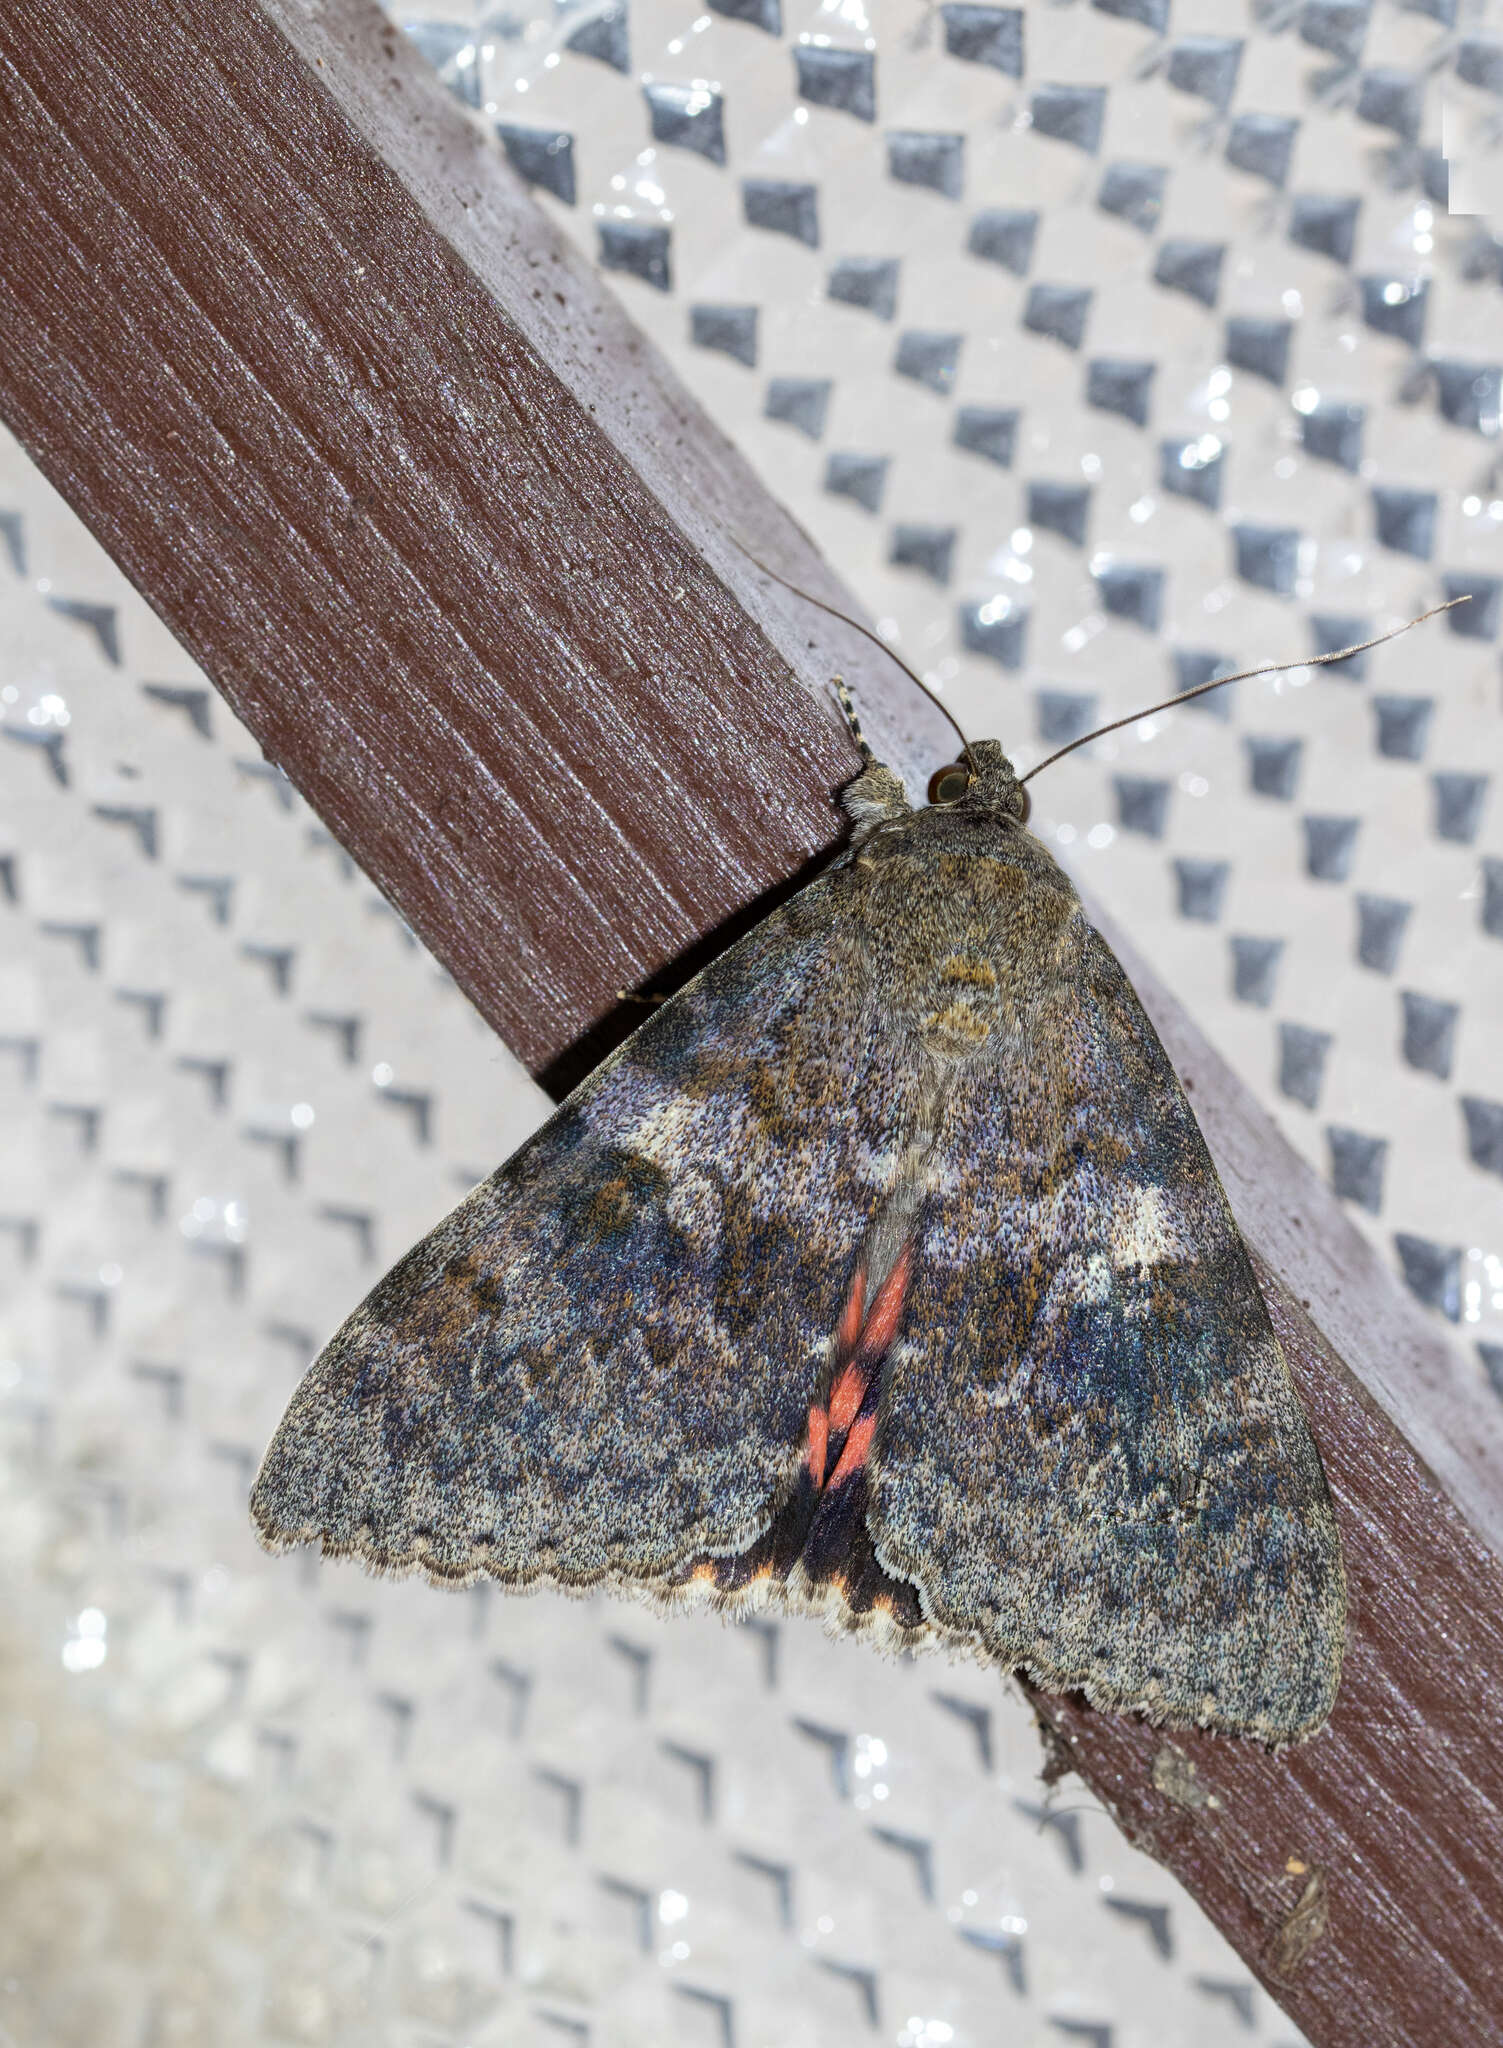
[391, 463]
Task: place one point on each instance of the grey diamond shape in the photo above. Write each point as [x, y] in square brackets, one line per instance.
[843, 79]
[801, 402]
[1134, 192]
[998, 629]
[1332, 631]
[985, 35]
[1481, 616]
[1259, 346]
[1432, 1272]
[1484, 1132]
[1070, 113]
[1262, 144]
[1329, 846]
[604, 37]
[687, 117]
[1325, 223]
[1429, 1036]
[989, 431]
[861, 477]
[1114, 384]
[1186, 470]
[1396, 306]
[1469, 394]
[1403, 726]
[543, 156]
[929, 358]
[1190, 267]
[1357, 1163]
[730, 329]
[783, 207]
[936, 161]
[1255, 969]
[1381, 922]
[1337, 26]
[1131, 590]
[1206, 66]
[1059, 311]
[1196, 666]
[638, 247]
[1201, 885]
[1060, 508]
[930, 549]
[1459, 803]
[1406, 520]
[1142, 804]
[1332, 432]
[1302, 1062]
[1268, 556]
[870, 282]
[1004, 235]
[1273, 766]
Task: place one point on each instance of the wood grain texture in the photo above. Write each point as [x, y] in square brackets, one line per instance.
[332, 460]
[391, 463]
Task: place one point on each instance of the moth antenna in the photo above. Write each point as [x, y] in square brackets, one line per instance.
[1268, 668]
[843, 698]
[877, 641]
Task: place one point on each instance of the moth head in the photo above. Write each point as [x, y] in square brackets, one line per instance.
[984, 780]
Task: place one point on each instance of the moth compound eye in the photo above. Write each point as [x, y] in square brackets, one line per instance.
[1023, 809]
[949, 785]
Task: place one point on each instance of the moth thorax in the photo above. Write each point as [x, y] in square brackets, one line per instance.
[893, 1225]
[962, 1007]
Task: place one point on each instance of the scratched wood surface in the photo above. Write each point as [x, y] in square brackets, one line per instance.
[399, 475]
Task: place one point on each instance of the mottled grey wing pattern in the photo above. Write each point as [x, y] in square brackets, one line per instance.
[915, 1127]
[1090, 1456]
[602, 1362]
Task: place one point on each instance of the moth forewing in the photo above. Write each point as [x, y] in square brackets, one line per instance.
[884, 1274]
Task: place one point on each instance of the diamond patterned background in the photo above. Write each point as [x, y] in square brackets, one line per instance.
[1104, 349]
[1101, 349]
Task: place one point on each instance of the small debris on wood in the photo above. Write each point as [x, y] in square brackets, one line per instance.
[1302, 1928]
[1179, 1781]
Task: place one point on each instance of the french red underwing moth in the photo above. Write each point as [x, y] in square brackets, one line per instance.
[883, 1273]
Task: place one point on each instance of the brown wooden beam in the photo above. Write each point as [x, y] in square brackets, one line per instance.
[391, 463]
[384, 454]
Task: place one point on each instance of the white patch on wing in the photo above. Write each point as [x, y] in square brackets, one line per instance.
[664, 1133]
[1096, 1282]
[1142, 1231]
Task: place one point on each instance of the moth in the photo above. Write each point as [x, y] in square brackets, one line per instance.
[882, 1274]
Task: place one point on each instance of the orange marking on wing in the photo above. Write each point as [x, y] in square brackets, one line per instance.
[881, 1325]
[852, 1315]
[819, 1444]
[845, 1398]
[857, 1445]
